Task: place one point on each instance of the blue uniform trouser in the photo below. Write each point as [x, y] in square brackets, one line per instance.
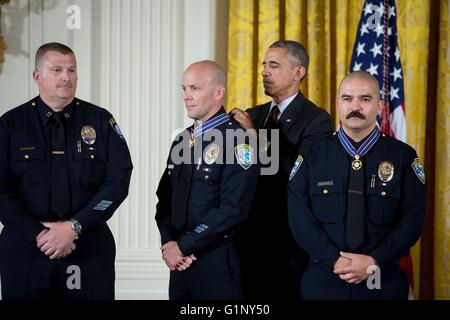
[27, 273]
[215, 275]
[320, 283]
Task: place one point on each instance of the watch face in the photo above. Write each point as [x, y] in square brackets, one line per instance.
[76, 227]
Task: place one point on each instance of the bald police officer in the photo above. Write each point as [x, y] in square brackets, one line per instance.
[357, 203]
[205, 192]
[64, 170]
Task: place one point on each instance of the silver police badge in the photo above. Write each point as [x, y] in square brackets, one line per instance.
[296, 166]
[211, 153]
[386, 171]
[88, 135]
[418, 169]
[244, 155]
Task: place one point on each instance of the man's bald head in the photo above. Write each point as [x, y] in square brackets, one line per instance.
[203, 87]
[359, 104]
[361, 76]
[210, 70]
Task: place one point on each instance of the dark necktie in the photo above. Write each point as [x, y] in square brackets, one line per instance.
[272, 119]
[355, 208]
[60, 182]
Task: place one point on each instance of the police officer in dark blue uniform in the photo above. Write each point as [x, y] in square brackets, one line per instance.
[357, 203]
[64, 169]
[205, 192]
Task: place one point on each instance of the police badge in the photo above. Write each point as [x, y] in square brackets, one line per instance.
[211, 153]
[244, 155]
[296, 166]
[386, 171]
[88, 135]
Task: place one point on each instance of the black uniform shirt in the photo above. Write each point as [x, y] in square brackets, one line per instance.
[99, 173]
[213, 196]
[395, 209]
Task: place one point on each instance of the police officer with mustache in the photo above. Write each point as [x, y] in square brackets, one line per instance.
[357, 203]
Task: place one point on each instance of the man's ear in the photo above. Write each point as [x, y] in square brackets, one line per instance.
[37, 76]
[220, 93]
[300, 73]
[381, 106]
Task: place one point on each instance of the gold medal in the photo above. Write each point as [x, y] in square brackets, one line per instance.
[192, 140]
[88, 135]
[386, 171]
[356, 164]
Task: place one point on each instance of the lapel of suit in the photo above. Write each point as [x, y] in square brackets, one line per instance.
[292, 113]
[261, 116]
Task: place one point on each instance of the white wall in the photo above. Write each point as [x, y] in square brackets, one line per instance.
[131, 55]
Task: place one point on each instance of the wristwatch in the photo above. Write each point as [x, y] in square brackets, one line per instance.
[76, 226]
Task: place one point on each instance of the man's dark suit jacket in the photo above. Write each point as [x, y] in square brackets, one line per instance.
[270, 256]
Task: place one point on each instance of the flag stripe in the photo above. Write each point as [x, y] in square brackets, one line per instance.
[376, 51]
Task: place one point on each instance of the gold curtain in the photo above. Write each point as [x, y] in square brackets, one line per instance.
[442, 161]
[327, 29]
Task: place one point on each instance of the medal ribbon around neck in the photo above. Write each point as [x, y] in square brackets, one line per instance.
[362, 150]
[208, 125]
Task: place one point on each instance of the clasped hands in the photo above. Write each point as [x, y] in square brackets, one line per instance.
[353, 268]
[57, 240]
[174, 258]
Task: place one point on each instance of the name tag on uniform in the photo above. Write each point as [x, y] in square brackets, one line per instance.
[27, 148]
[325, 183]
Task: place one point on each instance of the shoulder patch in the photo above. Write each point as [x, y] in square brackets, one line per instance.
[244, 155]
[296, 166]
[418, 169]
[116, 129]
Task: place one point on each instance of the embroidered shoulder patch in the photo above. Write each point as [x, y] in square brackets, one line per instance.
[116, 128]
[418, 169]
[244, 155]
[296, 166]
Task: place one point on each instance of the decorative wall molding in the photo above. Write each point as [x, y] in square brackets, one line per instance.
[141, 63]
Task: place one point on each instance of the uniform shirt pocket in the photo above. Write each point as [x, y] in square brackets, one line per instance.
[30, 165]
[207, 174]
[90, 168]
[327, 199]
[206, 185]
[383, 202]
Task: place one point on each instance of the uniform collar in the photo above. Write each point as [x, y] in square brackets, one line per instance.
[355, 144]
[216, 120]
[45, 112]
[364, 147]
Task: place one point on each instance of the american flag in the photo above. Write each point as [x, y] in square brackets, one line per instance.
[376, 52]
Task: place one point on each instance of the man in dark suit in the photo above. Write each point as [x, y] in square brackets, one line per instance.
[270, 260]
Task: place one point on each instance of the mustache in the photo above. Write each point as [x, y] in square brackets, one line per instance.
[355, 114]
